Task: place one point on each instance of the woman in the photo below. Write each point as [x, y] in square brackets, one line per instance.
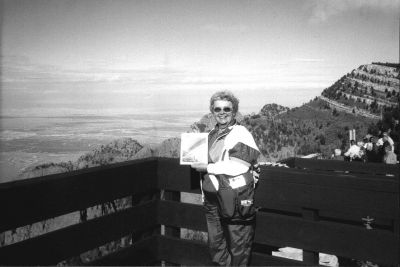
[228, 186]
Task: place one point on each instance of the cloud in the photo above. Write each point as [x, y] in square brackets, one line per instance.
[18, 68]
[322, 10]
[308, 60]
[22, 69]
[298, 72]
[225, 28]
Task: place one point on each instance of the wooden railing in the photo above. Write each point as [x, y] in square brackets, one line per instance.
[316, 205]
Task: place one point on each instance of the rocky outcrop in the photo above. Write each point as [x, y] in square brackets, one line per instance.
[205, 124]
[47, 169]
[116, 151]
[272, 110]
[169, 148]
[145, 152]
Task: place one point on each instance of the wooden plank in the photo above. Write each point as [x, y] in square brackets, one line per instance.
[341, 203]
[175, 177]
[160, 248]
[356, 218]
[184, 252]
[141, 253]
[292, 190]
[53, 247]
[354, 166]
[260, 259]
[375, 204]
[183, 215]
[346, 180]
[194, 253]
[348, 241]
[27, 201]
[334, 216]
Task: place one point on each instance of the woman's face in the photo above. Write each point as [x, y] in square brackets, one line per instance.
[223, 112]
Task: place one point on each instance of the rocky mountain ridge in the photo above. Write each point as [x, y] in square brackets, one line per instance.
[116, 151]
[369, 90]
[272, 110]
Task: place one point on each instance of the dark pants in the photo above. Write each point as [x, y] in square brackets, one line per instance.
[229, 243]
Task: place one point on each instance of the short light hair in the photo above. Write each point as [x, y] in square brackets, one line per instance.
[225, 95]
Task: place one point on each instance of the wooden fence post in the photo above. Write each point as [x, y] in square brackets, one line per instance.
[170, 230]
[310, 257]
[2, 238]
[174, 196]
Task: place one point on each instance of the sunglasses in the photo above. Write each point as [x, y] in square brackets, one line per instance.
[225, 109]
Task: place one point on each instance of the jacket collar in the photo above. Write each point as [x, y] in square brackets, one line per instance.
[226, 130]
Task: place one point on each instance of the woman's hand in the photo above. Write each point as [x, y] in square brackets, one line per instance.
[200, 167]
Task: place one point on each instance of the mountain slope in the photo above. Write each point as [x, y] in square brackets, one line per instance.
[312, 128]
[370, 89]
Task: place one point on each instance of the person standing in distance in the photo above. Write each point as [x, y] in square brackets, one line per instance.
[228, 185]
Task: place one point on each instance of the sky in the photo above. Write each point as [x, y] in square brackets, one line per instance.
[97, 56]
